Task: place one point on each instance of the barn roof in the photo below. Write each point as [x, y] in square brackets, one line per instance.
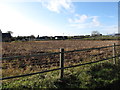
[6, 35]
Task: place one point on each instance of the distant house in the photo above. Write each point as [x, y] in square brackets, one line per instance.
[0, 36]
[118, 35]
[61, 37]
[6, 37]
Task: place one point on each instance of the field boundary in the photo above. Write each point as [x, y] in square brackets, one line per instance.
[62, 61]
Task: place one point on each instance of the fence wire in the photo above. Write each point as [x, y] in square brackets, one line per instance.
[41, 63]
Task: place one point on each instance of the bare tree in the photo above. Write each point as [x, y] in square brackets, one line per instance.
[95, 33]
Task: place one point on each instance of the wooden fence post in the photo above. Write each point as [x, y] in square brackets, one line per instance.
[114, 54]
[61, 62]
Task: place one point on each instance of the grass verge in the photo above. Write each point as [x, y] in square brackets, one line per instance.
[101, 75]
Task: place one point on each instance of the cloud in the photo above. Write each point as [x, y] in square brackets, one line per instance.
[84, 21]
[95, 21]
[78, 19]
[58, 5]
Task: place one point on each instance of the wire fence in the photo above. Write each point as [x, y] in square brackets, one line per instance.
[61, 59]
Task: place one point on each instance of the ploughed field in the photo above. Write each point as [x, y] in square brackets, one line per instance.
[32, 64]
[36, 47]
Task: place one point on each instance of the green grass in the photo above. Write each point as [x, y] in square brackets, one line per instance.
[101, 75]
[104, 75]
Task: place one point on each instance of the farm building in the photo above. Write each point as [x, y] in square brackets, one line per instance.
[6, 37]
[0, 36]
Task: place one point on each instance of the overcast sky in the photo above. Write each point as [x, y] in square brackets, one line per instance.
[58, 17]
